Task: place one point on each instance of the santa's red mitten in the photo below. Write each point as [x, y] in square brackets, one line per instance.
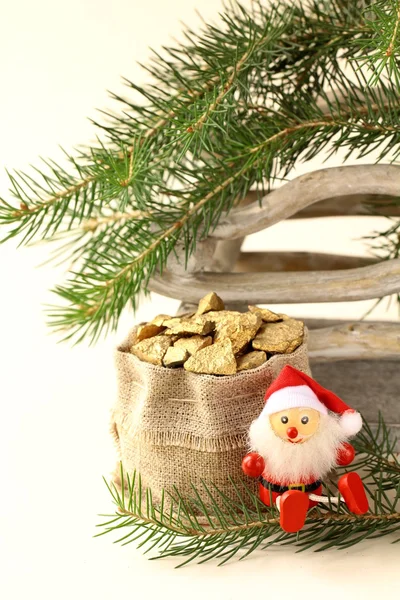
[253, 464]
[346, 454]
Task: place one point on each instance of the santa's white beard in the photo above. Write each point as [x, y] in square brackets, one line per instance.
[290, 463]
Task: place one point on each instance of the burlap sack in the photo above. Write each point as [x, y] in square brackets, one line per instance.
[176, 428]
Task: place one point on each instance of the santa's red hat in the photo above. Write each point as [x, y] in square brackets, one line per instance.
[292, 389]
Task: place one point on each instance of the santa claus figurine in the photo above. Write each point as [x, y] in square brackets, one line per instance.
[298, 438]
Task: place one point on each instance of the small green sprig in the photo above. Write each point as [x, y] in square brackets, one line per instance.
[212, 525]
[380, 47]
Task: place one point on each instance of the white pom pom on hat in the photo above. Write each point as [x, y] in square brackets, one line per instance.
[351, 422]
[292, 389]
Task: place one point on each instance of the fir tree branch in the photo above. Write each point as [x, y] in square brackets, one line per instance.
[282, 143]
[391, 48]
[343, 119]
[94, 223]
[382, 45]
[187, 146]
[235, 70]
[69, 191]
[213, 525]
[214, 530]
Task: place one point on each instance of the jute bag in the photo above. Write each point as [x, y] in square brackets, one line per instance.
[176, 428]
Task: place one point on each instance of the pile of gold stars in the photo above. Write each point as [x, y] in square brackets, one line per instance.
[217, 341]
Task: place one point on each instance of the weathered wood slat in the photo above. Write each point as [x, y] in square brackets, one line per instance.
[226, 255]
[271, 262]
[363, 283]
[344, 206]
[355, 341]
[356, 180]
[347, 206]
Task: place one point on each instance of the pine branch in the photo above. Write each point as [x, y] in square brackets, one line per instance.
[382, 48]
[94, 291]
[234, 108]
[213, 525]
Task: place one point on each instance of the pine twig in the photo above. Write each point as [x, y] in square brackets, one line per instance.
[391, 48]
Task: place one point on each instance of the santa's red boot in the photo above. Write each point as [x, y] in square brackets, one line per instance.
[293, 507]
[353, 493]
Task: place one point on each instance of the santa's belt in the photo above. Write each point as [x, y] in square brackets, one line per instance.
[280, 489]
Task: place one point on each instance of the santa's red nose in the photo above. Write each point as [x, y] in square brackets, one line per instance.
[292, 433]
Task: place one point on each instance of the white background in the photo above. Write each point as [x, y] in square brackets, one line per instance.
[57, 60]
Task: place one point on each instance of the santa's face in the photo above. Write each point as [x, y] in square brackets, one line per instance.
[295, 425]
[309, 460]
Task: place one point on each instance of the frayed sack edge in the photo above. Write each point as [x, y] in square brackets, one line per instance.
[223, 443]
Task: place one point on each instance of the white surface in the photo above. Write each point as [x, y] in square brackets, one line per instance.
[57, 60]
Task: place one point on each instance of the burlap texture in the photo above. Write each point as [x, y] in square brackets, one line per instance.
[176, 428]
